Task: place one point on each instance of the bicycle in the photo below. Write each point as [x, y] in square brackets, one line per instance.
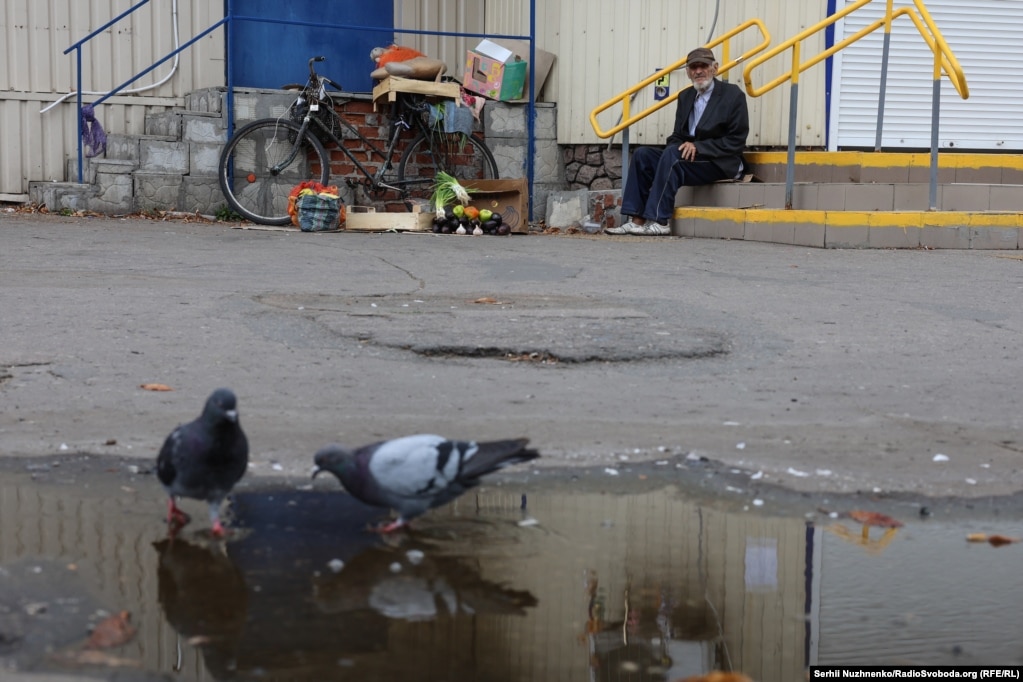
[266, 159]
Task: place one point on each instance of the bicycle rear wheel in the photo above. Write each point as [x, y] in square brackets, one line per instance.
[262, 163]
[464, 157]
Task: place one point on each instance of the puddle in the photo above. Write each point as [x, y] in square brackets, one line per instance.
[627, 577]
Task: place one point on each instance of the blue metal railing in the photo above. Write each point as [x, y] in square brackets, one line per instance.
[230, 17]
[77, 48]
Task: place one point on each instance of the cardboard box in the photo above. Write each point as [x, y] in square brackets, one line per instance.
[494, 71]
[367, 219]
[509, 197]
[542, 67]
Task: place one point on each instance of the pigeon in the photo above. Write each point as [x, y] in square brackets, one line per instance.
[204, 459]
[415, 473]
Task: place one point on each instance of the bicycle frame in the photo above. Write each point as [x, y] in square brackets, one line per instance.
[399, 122]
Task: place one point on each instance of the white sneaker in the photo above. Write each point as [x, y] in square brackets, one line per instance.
[621, 229]
[648, 228]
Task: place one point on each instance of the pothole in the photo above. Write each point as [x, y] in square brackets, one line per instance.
[524, 328]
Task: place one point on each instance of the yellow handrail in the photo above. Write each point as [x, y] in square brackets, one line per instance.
[936, 40]
[625, 97]
[944, 59]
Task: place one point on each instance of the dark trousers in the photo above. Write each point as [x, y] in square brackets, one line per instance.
[655, 175]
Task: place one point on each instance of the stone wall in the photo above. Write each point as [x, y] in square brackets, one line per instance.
[593, 167]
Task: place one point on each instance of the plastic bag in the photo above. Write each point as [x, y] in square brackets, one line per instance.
[306, 188]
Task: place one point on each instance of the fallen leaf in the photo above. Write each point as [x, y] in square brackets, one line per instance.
[993, 540]
[869, 518]
[156, 387]
[112, 631]
[488, 300]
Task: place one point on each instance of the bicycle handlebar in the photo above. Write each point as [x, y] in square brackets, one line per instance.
[314, 76]
[312, 71]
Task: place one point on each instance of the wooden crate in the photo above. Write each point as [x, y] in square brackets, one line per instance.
[368, 219]
[387, 90]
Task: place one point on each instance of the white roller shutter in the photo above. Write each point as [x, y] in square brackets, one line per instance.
[987, 38]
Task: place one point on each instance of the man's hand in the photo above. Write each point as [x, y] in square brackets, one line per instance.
[688, 151]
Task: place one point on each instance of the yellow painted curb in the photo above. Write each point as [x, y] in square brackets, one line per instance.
[839, 219]
[890, 159]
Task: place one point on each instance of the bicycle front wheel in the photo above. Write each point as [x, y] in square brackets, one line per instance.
[263, 162]
[465, 157]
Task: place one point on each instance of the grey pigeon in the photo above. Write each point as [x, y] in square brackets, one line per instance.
[203, 459]
[415, 473]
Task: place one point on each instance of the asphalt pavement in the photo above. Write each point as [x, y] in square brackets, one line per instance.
[844, 370]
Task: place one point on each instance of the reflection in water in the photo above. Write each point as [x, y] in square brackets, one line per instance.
[644, 586]
[204, 598]
[661, 637]
[280, 602]
[414, 586]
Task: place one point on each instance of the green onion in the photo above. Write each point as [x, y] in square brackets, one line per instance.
[446, 191]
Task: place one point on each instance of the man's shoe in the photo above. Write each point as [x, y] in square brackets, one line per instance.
[648, 228]
[621, 229]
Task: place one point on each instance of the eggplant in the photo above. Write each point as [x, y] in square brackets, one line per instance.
[504, 230]
[490, 226]
[496, 217]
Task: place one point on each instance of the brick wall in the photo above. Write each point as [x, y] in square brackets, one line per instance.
[374, 126]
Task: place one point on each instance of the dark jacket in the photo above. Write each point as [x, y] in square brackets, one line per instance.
[722, 130]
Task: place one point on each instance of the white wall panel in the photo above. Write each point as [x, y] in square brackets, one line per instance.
[35, 73]
[453, 16]
[985, 37]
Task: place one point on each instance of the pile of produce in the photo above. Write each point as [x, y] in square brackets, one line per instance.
[454, 214]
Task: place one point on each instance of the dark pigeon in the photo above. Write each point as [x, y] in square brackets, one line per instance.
[204, 459]
[416, 473]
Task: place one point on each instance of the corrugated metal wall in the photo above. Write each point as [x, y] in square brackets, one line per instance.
[602, 47]
[35, 73]
[462, 16]
[609, 45]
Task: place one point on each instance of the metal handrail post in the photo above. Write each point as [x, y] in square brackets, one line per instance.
[229, 68]
[885, 52]
[790, 166]
[935, 118]
[81, 131]
[531, 113]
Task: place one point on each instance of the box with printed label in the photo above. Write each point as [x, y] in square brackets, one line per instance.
[494, 71]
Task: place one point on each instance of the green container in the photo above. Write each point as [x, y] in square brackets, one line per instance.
[514, 82]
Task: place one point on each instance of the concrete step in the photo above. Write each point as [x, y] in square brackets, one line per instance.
[61, 196]
[91, 166]
[174, 191]
[888, 167]
[121, 146]
[856, 196]
[855, 229]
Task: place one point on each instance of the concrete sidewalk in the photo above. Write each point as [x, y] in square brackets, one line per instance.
[825, 369]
